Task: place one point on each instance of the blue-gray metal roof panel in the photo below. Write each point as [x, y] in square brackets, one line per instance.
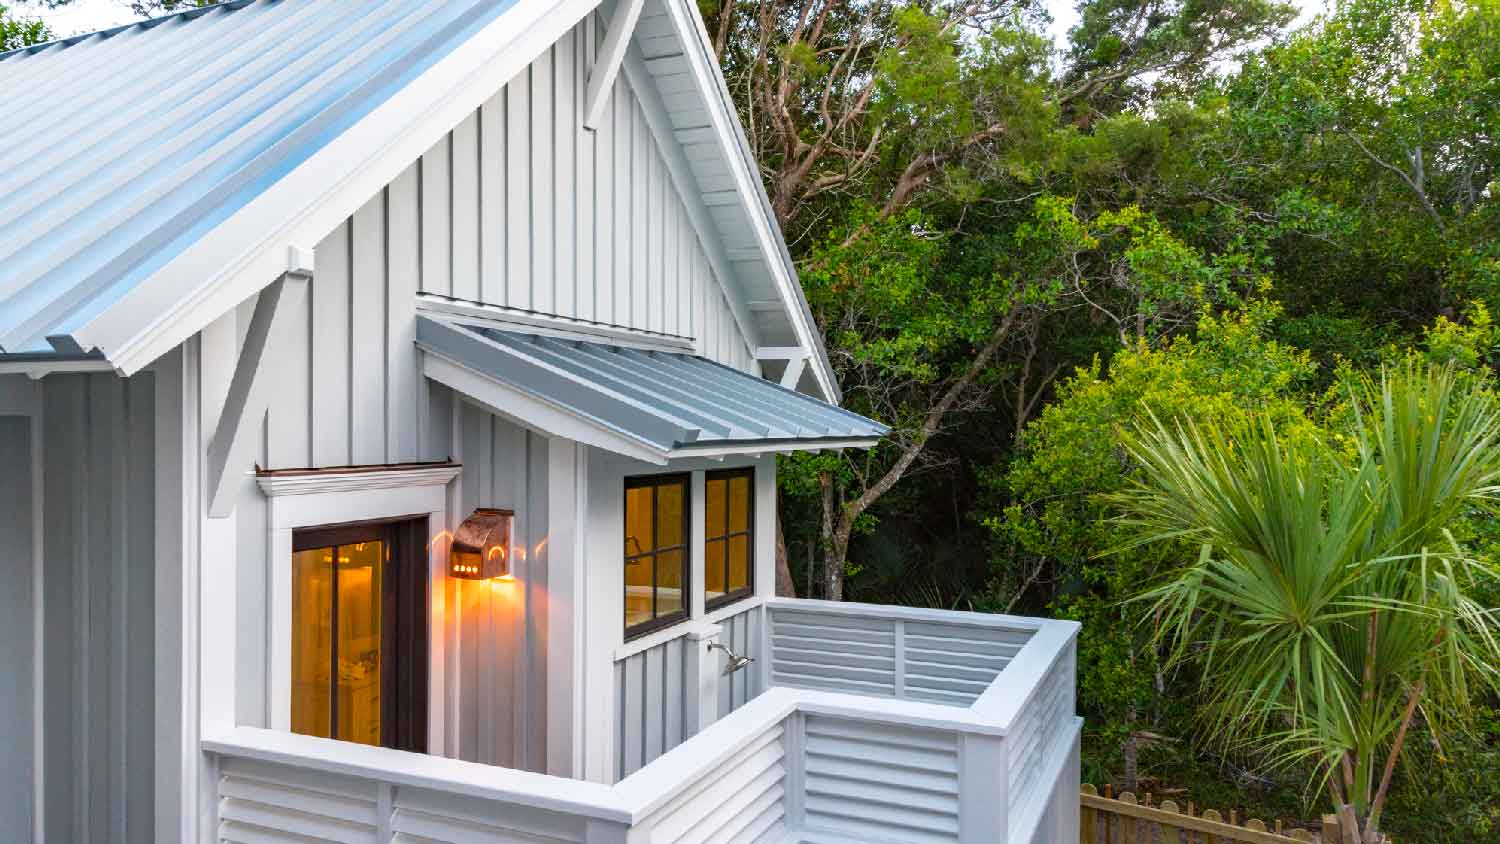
[121, 148]
[667, 400]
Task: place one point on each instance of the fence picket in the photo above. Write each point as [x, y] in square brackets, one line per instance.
[1170, 834]
[1107, 819]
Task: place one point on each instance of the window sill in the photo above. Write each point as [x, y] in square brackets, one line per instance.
[734, 607]
[696, 629]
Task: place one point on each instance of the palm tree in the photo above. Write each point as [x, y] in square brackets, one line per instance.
[1330, 605]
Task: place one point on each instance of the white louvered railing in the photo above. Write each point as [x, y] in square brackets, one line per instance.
[793, 765]
[887, 651]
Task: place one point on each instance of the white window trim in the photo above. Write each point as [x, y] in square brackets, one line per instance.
[334, 497]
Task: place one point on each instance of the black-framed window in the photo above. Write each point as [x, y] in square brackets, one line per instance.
[656, 552]
[729, 536]
[359, 633]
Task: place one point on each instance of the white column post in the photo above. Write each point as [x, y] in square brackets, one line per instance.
[218, 655]
[567, 617]
[176, 585]
[702, 668]
[983, 789]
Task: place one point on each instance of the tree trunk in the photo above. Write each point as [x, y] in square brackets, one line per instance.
[785, 586]
[833, 562]
[837, 532]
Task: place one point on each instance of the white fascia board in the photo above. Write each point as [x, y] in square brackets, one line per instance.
[705, 70]
[534, 413]
[660, 125]
[771, 447]
[37, 369]
[248, 251]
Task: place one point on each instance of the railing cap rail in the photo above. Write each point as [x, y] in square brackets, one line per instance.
[957, 617]
[1023, 677]
[419, 770]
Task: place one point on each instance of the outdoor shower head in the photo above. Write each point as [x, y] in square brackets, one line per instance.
[736, 661]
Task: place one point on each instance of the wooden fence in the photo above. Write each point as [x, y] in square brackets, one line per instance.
[1125, 820]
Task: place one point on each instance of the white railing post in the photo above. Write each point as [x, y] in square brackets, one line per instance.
[983, 789]
[899, 662]
[610, 832]
[702, 680]
[794, 746]
[385, 810]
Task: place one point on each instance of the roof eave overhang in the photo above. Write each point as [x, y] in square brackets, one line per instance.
[199, 284]
[742, 163]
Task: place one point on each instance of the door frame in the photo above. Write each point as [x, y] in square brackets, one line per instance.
[316, 498]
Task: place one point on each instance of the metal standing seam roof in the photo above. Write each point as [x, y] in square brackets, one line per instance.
[674, 403]
[121, 148]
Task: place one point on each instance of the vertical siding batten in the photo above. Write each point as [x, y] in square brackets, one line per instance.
[467, 212]
[98, 600]
[517, 192]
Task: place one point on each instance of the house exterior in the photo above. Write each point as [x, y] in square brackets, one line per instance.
[390, 395]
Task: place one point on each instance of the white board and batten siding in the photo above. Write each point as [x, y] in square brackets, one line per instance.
[498, 629]
[19, 713]
[654, 691]
[78, 521]
[742, 632]
[521, 208]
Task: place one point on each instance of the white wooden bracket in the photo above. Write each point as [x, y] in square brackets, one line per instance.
[248, 397]
[796, 362]
[611, 56]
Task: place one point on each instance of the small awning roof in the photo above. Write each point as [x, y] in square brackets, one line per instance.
[649, 404]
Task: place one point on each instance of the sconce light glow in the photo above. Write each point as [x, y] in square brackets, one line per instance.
[479, 549]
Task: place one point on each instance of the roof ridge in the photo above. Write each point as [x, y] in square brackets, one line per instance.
[144, 23]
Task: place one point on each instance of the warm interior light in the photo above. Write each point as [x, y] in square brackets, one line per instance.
[480, 546]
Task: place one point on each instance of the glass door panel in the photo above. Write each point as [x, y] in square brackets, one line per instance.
[359, 652]
[312, 641]
[337, 641]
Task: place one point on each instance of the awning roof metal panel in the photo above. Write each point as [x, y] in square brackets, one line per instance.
[670, 404]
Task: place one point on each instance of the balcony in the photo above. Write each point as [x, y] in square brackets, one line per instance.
[875, 724]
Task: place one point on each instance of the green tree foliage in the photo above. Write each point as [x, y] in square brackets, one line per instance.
[1330, 601]
[1056, 523]
[17, 30]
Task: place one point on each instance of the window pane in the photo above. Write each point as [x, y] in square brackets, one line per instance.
[739, 503]
[312, 641]
[359, 627]
[713, 497]
[713, 569]
[638, 590]
[669, 499]
[739, 563]
[638, 535]
[671, 573]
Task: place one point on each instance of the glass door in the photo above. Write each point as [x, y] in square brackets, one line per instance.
[346, 624]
